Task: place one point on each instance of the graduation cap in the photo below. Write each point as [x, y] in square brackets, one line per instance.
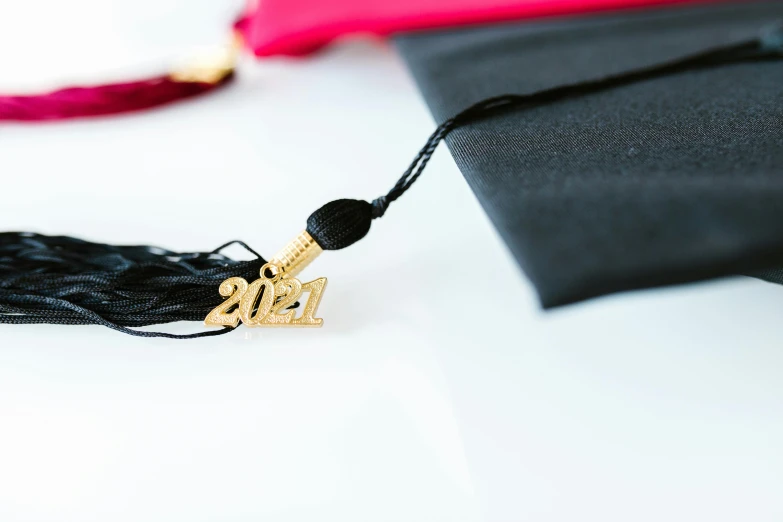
[615, 145]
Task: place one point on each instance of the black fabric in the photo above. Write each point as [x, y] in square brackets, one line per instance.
[670, 180]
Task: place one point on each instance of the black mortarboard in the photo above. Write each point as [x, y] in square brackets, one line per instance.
[673, 179]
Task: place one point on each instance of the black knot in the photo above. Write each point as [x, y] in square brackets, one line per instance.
[379, 207]
[340, 224]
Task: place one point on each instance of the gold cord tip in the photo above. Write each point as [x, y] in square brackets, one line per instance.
[212, 67]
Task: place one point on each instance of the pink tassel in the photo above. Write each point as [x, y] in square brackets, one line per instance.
[100, 100]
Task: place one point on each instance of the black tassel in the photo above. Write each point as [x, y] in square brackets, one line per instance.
[63, 280]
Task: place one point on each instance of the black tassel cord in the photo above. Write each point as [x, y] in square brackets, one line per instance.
[62, 280]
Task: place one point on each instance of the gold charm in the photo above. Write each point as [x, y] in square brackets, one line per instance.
[266, 301]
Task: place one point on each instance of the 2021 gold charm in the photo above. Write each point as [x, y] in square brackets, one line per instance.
[266, 301]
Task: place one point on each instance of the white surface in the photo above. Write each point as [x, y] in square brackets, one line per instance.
[420, 400]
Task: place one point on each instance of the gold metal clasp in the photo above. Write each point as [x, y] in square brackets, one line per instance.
[297, 254]
[268, 300]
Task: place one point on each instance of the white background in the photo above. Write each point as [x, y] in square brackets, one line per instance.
[437, 389]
